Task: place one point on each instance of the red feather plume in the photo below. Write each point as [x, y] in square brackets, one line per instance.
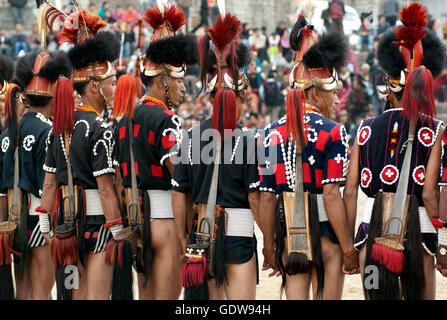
[8, 98]
[225, 30]
[173, 15]
[414, 19]
[124, 99]
[63, 106]
[76, 22]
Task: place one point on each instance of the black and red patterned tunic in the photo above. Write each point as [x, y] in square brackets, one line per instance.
[382, 142]
[156, 132]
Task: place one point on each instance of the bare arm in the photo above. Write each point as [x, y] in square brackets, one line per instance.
[189, 212]
[119, 186]
[430, 192]
[179, 210]
[253, 199]
[350, 193]
[336, 212]
[109, 199]
[267, 224]
[49, 191]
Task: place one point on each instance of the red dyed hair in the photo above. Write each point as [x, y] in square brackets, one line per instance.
[124, 99]
[418, 97]
[224, 111]
[295, 102]
[8, 99]
[414, 19]
[225, 30]
[63, 106]
[80, 21]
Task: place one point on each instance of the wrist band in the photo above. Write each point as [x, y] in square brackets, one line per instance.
[44, 222]
[442, 236]
[109, 224]
[115, 229]
[437, 223]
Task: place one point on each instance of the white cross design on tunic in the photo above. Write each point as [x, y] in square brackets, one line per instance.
[426, 136]
[389, 173]
[421, 176]
[364, 134]
[338, 158]
[365, 177]
[311, 160]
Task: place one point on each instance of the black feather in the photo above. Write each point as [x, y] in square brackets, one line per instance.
[434, 53]
[6, 68]
[105, 46]
[242, 58]
[330, 52]
[389, 56]
[296, 36]
[178, 49]
[24, 68]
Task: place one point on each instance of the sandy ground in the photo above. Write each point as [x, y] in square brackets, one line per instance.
[269, 288]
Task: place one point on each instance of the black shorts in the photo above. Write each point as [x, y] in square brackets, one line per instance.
[35, 237]
[239, 250]
[95, 235]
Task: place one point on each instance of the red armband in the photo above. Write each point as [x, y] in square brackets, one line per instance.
[109, 224]
[438, 223]
[40, 210]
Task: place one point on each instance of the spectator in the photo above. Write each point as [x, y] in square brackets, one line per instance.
[391, 10]
[253, 120]
[336, 14]
[383, 25]
[440, 86]
[274, 40]
[280, 28]
[203, 16]
[117, 14]
[253, 72]
[285, 46]
[185, 5]
[102, 12]
[129, 41]
[245, 34]
[108, 18]
[5, 43]
[17, 10]
[326, 20]
[258, 41]
[92, 8]
[34, 38]
[359, 99]
[272, 96]
[18, 41]
[366, 36]
[131, 15]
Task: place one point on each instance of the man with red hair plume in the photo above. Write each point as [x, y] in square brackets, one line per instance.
[308, 238]
[80, 165]
[396, 233]
[226, 268]
[155, 132]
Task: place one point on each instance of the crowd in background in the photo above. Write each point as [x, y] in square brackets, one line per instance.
[270, 65]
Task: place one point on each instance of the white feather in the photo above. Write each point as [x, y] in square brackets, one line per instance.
[221, 5]
[161, 5]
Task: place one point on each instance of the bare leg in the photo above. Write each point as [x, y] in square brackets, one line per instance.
[42, 273]
[430, 278]
[216, 293]
[81, 292]
[333, 276]
[165, 281]
[297, 286]
[99, 277]
[23, 286]
[241, 280]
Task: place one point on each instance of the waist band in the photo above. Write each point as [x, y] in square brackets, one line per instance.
[321, 210]
[425, 222]
[160, 202]
[240, 222]
[34, 202]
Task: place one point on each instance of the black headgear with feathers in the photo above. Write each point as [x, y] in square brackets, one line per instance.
[176, 50]
[58, 64]
[242, 58]
[392, 62]
[104, 46]
[6, 69]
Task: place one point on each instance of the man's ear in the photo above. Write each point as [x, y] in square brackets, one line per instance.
[92, 86]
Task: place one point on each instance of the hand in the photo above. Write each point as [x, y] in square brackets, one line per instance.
[441, 261]
[183, 241]
[270, 261]
[351, 262]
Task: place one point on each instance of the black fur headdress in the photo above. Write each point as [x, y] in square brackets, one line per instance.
[6, 69]
[58, 64]
[176, 50]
